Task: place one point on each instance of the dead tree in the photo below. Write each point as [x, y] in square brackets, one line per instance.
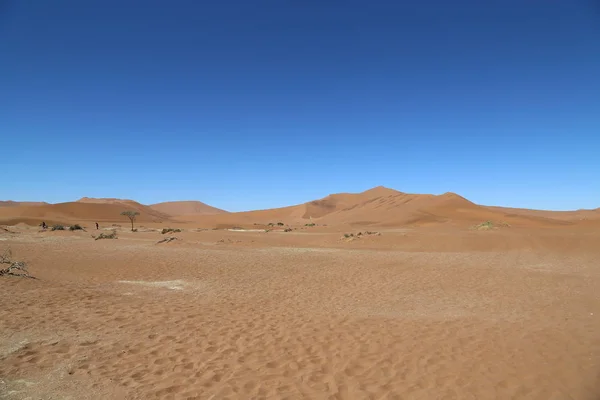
[15, 268]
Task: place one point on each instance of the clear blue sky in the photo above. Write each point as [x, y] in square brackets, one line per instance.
[256, 104]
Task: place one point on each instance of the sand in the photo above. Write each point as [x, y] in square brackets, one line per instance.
[439, 312]
[186, 208]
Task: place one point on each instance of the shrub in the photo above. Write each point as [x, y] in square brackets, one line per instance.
[112, 235]
[58, 228]
[75, 227]
[280, 224]
[15, 268]
[288, 230]
[311, 224]
[484, 226]
[170, 230]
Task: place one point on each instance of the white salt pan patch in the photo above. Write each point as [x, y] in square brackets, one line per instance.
[173, 285]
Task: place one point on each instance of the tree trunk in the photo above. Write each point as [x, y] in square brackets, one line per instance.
[131, 224]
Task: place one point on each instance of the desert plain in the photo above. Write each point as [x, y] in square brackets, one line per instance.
[373, 295]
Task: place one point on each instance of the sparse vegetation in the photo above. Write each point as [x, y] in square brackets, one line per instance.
[270, 224]
[489, 225]
[15, 268]
[76, 227]
[170, 230]
[131, 215]
[112, 235]
[311, 224]
[58, 227]
[288, 230]
[359, 235]
[280, 224]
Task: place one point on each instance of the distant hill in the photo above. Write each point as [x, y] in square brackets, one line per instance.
[104, 200]
[382, 207]
[179, 208]
[79, 211]
[377, 207]
[10, 203]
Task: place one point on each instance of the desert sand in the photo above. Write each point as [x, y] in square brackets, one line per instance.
[430, 301]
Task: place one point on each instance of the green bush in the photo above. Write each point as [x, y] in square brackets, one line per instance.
[58, 228]
[75, 227]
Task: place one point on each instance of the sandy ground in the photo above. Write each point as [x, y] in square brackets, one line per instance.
[410, 314]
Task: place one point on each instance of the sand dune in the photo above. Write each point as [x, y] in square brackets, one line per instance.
[74, 212]
[576, 215]
[429, 308]
[377, 207]
[11, 203]
[182, 208]
[104, 200]
[384, 207]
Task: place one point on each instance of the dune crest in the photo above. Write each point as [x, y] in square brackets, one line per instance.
[11, 203]
[379, 206]
[189, 207]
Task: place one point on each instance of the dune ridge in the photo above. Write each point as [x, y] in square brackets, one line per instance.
[186, 207]
[78, 211]
[377, 207]
[12, 203]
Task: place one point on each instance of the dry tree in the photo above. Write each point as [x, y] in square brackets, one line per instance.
[15, 268]
[131, 215]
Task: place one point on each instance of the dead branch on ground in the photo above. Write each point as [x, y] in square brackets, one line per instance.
[15, 268]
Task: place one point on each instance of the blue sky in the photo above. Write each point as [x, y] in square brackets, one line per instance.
[257, 104]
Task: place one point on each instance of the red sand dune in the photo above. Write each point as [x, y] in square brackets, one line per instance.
[385, 207]
[377, 207]
[576, 215]
[179, 208]
[11, 203]
[77, 212]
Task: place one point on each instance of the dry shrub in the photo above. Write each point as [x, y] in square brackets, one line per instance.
[15, 268]
[112, 235]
